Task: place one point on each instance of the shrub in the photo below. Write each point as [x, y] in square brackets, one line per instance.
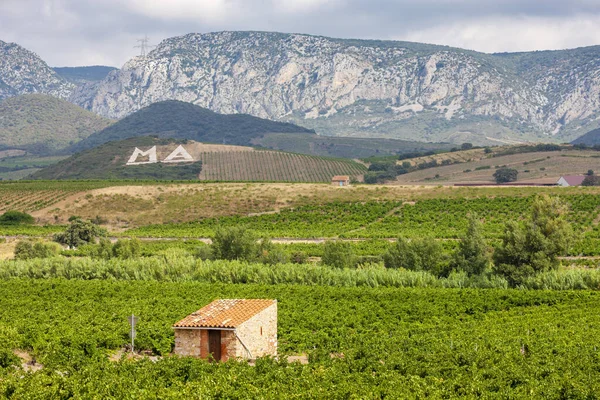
[125, 249]
[299, 257]
[8, 359]
[26, 250]
[235, 243]
[591, 180]
[16, 218]
[338, 254]
[505, 175]
[203, 253]
[80, 232]
[416, 255]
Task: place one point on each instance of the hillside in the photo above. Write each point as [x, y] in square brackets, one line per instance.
[476, 166]
[165, 160]
[44, 124]
[366, 87]
[22, 72]
[176, 119]
[592, 138]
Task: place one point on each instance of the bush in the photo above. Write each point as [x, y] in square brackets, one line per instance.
[338, 254]
[235, 243]
[26, 250]
[80, 232]
[591, 180]
[125, 249]
[299, 257]
[16, 218]
[204, 253]
[8, 359]
[505, 175]
[416, 255]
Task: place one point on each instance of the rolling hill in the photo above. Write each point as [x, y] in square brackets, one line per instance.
[180, 120]
[477, 166]
[43, 124]
[164, 159]
[592, 138]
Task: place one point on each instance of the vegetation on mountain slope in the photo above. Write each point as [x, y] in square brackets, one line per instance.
[180, 120]
[43, 124]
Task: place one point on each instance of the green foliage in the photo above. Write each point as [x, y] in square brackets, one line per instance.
[235, 243]
[26, 250]
[79, 232]
[423, 254]
[16, 218]
[534, 246]
[338, 254]
[182, 120]
[591, 180]
[43, 124]
[8, 359]
[505, 175]
[472, 255]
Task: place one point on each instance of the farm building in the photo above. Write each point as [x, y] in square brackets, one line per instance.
[570, 180]
[229, 328]
[340, 180]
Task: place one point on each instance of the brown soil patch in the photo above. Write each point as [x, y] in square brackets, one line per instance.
[28, 363]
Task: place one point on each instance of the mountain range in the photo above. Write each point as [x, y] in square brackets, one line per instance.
[344, 87]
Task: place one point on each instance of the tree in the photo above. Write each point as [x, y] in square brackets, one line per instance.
[504, 175]
[338, 254]
[472, 255]
[80, 232]
[235, 243]
[417, 255]
[466, 146]
[590, 172]
[591, 180]
[534, 246]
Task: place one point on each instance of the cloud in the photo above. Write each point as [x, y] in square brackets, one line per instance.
[78, 32]
[510, 34]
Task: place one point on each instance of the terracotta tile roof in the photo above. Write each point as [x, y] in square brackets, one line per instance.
[224, 313]
[341, 178]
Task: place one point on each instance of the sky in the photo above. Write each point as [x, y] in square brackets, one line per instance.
[105, 32]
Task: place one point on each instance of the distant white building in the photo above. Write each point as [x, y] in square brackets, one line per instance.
[570, 180]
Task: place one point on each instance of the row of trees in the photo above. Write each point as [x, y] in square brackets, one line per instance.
[528, 247]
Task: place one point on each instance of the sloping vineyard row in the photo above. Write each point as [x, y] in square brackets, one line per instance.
[273, 166]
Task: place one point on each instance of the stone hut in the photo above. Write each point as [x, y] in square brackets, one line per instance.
[340, 180]
[229, 328]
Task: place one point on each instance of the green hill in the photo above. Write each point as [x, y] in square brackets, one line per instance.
[180, 120]
[213, 162]
[43, 124]
[592, 138]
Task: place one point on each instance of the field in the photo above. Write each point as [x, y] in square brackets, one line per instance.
[274, 166]
[540, 167]
[366, 332]
[360, 342]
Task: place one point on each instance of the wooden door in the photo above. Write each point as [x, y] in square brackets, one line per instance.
[214, 344]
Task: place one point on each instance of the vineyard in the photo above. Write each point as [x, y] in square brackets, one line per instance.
[436, 218]
[273, 166]
[360, 342]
